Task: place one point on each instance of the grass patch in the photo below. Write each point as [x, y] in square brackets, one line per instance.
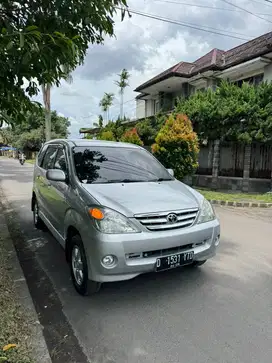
[30, 161]
[14, 322]
[236, 197]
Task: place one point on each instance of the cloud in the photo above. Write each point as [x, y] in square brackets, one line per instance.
[146, 47]
[103, 61]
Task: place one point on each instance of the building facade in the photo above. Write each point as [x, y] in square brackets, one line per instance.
[249, 62]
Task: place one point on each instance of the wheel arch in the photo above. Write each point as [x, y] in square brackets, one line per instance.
[71, 232]
[33, 200]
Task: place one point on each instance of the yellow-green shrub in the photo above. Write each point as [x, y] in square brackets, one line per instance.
[176, 146]
[106, 135]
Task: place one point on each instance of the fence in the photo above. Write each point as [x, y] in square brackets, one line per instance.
[261, 161]
[231, 160]
[205, 159]
[235, 166]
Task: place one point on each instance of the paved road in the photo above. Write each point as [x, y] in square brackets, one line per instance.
[221, 312]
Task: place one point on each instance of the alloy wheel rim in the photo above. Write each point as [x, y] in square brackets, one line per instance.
[77, 265]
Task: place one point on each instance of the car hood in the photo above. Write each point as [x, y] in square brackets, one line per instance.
[139, 198]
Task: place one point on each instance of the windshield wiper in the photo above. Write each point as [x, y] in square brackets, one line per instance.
[161, 179]
[124, 181]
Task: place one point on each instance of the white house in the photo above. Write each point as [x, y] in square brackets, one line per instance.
[251, 62]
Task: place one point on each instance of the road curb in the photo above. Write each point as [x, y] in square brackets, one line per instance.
[241, 204]
[39, 350]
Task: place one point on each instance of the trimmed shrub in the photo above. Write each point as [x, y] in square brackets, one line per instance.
[107, 135]
[132, 137]
[176, 146]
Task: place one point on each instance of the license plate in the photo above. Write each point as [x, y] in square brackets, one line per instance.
[173, 261]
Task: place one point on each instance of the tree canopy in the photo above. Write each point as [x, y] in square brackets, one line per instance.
[231, 113]
[40, 39]
[29, 134]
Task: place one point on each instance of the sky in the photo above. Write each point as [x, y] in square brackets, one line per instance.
[146, 47]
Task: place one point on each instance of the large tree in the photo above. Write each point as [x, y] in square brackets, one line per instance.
[46, 92]
[40, 39]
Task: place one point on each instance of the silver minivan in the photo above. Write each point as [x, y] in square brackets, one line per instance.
[118, 213]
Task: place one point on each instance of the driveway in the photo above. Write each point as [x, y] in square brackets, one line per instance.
[221, 312]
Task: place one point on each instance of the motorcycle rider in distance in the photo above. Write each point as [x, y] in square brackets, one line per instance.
[22, 158]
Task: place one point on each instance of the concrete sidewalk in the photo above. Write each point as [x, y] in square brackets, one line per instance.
[39, 351]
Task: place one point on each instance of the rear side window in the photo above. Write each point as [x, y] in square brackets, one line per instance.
[49, 158]
[41, 154]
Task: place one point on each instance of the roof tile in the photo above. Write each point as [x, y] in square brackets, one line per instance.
[216, 59]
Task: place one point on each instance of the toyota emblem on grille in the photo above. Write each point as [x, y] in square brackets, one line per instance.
[172, 218]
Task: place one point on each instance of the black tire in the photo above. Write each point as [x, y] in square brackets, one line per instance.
[38, 222]
[82, 284]
[198, 263]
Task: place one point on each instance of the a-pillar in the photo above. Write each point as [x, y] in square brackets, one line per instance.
[216, 163]
[247, 160]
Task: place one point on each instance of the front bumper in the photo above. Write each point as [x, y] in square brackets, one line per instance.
[203, 239]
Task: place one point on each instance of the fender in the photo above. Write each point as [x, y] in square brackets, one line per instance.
[82, 223]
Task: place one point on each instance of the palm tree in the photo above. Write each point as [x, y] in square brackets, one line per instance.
[106, 103]
[46, 91]
[103, 106]
[99, 123]
[122, 83]
[109, 102]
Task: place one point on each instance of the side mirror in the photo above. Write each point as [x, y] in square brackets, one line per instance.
[171, 172]
[56, 175]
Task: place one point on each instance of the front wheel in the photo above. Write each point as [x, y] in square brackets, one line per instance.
[79, 269]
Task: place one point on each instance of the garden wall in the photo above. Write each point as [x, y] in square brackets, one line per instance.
[233, 166]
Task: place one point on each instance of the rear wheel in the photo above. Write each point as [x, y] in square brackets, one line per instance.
[79, 268]
[38, 223]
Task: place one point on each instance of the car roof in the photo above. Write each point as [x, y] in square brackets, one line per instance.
[86, 143]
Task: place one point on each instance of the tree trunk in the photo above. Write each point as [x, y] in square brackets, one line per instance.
[121, 104]
[108, 115]
[47, 105]
[105, 117]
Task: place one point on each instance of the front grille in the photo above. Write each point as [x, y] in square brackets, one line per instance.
[165, 220]
[158, 253]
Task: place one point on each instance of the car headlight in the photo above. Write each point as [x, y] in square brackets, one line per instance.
[206, 212]
[109, 221]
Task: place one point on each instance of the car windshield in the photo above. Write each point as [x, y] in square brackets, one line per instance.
[117, 165]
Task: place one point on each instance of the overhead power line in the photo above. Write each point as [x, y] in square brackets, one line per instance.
[247, 11]
[206, 6]
[186, 25]
[260, 2]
